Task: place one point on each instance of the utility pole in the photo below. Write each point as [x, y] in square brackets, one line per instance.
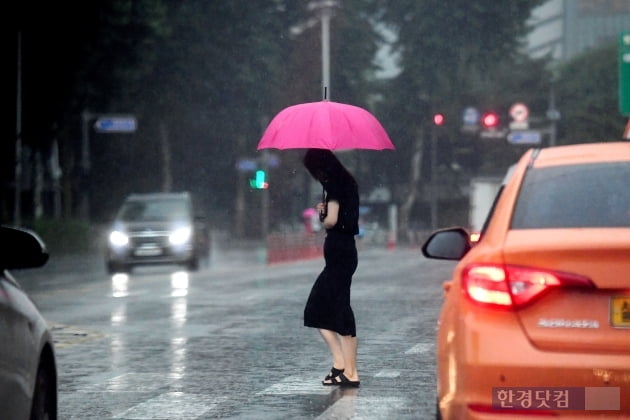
[84, 204]
[17, 204]
[553, 115]
[325, 9]
[434, 199]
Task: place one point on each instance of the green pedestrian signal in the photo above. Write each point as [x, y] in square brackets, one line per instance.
[260, 180]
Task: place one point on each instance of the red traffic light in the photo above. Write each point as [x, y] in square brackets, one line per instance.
[438, 119]
[490, 120]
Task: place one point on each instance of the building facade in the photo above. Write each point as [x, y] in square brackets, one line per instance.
[563, 29]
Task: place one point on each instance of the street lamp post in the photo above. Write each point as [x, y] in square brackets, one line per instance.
[433, 204]
[17, 205]
[325, 9]
[84, 204]
[553, 115]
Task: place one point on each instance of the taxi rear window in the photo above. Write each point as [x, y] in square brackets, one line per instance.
[574, 196]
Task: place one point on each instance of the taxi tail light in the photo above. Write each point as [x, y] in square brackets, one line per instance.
[513, 286]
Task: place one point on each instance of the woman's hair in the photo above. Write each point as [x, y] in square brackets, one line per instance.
[324, 166]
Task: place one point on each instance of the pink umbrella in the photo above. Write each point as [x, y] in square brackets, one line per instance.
[325, 125]
[309, 212]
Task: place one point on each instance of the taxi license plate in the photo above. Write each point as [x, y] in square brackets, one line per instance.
[620, 311]
[148, 252]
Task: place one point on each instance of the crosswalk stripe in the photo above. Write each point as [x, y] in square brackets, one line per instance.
[387, 374]
[293, 385]
[357, 407]
[171, 405]
[421, 348]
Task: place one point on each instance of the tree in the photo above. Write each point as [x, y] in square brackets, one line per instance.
[587, 96]
[202, 78]
[451, 53]
[78, 57]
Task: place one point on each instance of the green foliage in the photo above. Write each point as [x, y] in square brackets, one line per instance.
[587, 97]
[209, 74]
[67, 236]
[454, 55]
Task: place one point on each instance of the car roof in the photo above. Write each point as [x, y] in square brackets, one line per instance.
[582, 154]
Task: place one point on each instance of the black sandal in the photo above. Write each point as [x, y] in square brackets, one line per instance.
[334, 372]
[343, 381]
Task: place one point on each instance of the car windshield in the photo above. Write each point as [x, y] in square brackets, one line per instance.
[575, 196]
[160, 210]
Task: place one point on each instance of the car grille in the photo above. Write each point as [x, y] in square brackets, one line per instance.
[139, 239]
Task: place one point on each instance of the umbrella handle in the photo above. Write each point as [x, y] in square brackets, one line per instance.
[323, 214]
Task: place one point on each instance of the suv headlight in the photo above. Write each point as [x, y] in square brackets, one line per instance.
[118, 238]
[180, 236]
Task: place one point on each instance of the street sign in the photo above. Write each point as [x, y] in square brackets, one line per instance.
[493, 134]
[470, 116]
[519, 112]
[519, 125]
[524, 137]
[624, 73]
[246, 165]
[116, 124]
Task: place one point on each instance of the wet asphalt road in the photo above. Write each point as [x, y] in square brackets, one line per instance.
[227, 342]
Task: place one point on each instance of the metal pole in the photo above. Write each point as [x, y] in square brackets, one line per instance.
[264, 199]
[553, 115]
[17, 209]
[325, 9]
[326, 14]
[434, 201]
[84, 208]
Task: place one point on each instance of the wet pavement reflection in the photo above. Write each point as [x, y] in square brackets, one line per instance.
[227, 342]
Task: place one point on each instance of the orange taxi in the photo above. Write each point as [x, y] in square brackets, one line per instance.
[536, 317]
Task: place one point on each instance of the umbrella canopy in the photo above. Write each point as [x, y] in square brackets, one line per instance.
[325, 125]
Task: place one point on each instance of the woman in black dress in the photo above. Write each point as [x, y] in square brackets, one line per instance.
[328, 306]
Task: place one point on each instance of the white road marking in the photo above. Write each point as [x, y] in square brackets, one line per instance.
[129, 382]
[357, 407]
[171, 405]
[421, 348]
[297, 385]
[387, 374]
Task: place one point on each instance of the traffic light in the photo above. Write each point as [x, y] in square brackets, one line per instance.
[438, 119]
[490, 120]
[260, 180]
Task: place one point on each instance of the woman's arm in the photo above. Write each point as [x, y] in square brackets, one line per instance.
[333, 214]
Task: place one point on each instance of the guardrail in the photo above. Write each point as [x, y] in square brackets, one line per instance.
[284, 247]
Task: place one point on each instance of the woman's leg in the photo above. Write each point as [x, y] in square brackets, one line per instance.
[349, 346]
[334, 344]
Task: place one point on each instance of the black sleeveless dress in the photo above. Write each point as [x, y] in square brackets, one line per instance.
[328, 305]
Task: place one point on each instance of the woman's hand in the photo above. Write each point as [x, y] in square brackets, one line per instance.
[321, 211]
[332, 214]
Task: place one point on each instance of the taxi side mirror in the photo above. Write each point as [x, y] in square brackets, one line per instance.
[447, 244]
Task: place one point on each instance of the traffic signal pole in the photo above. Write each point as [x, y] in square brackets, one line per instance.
[433, 203]
[264, 200]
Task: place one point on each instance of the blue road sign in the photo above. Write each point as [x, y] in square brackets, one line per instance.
[117, 124]
[470, 116]
[246, 165]
[524, 137]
